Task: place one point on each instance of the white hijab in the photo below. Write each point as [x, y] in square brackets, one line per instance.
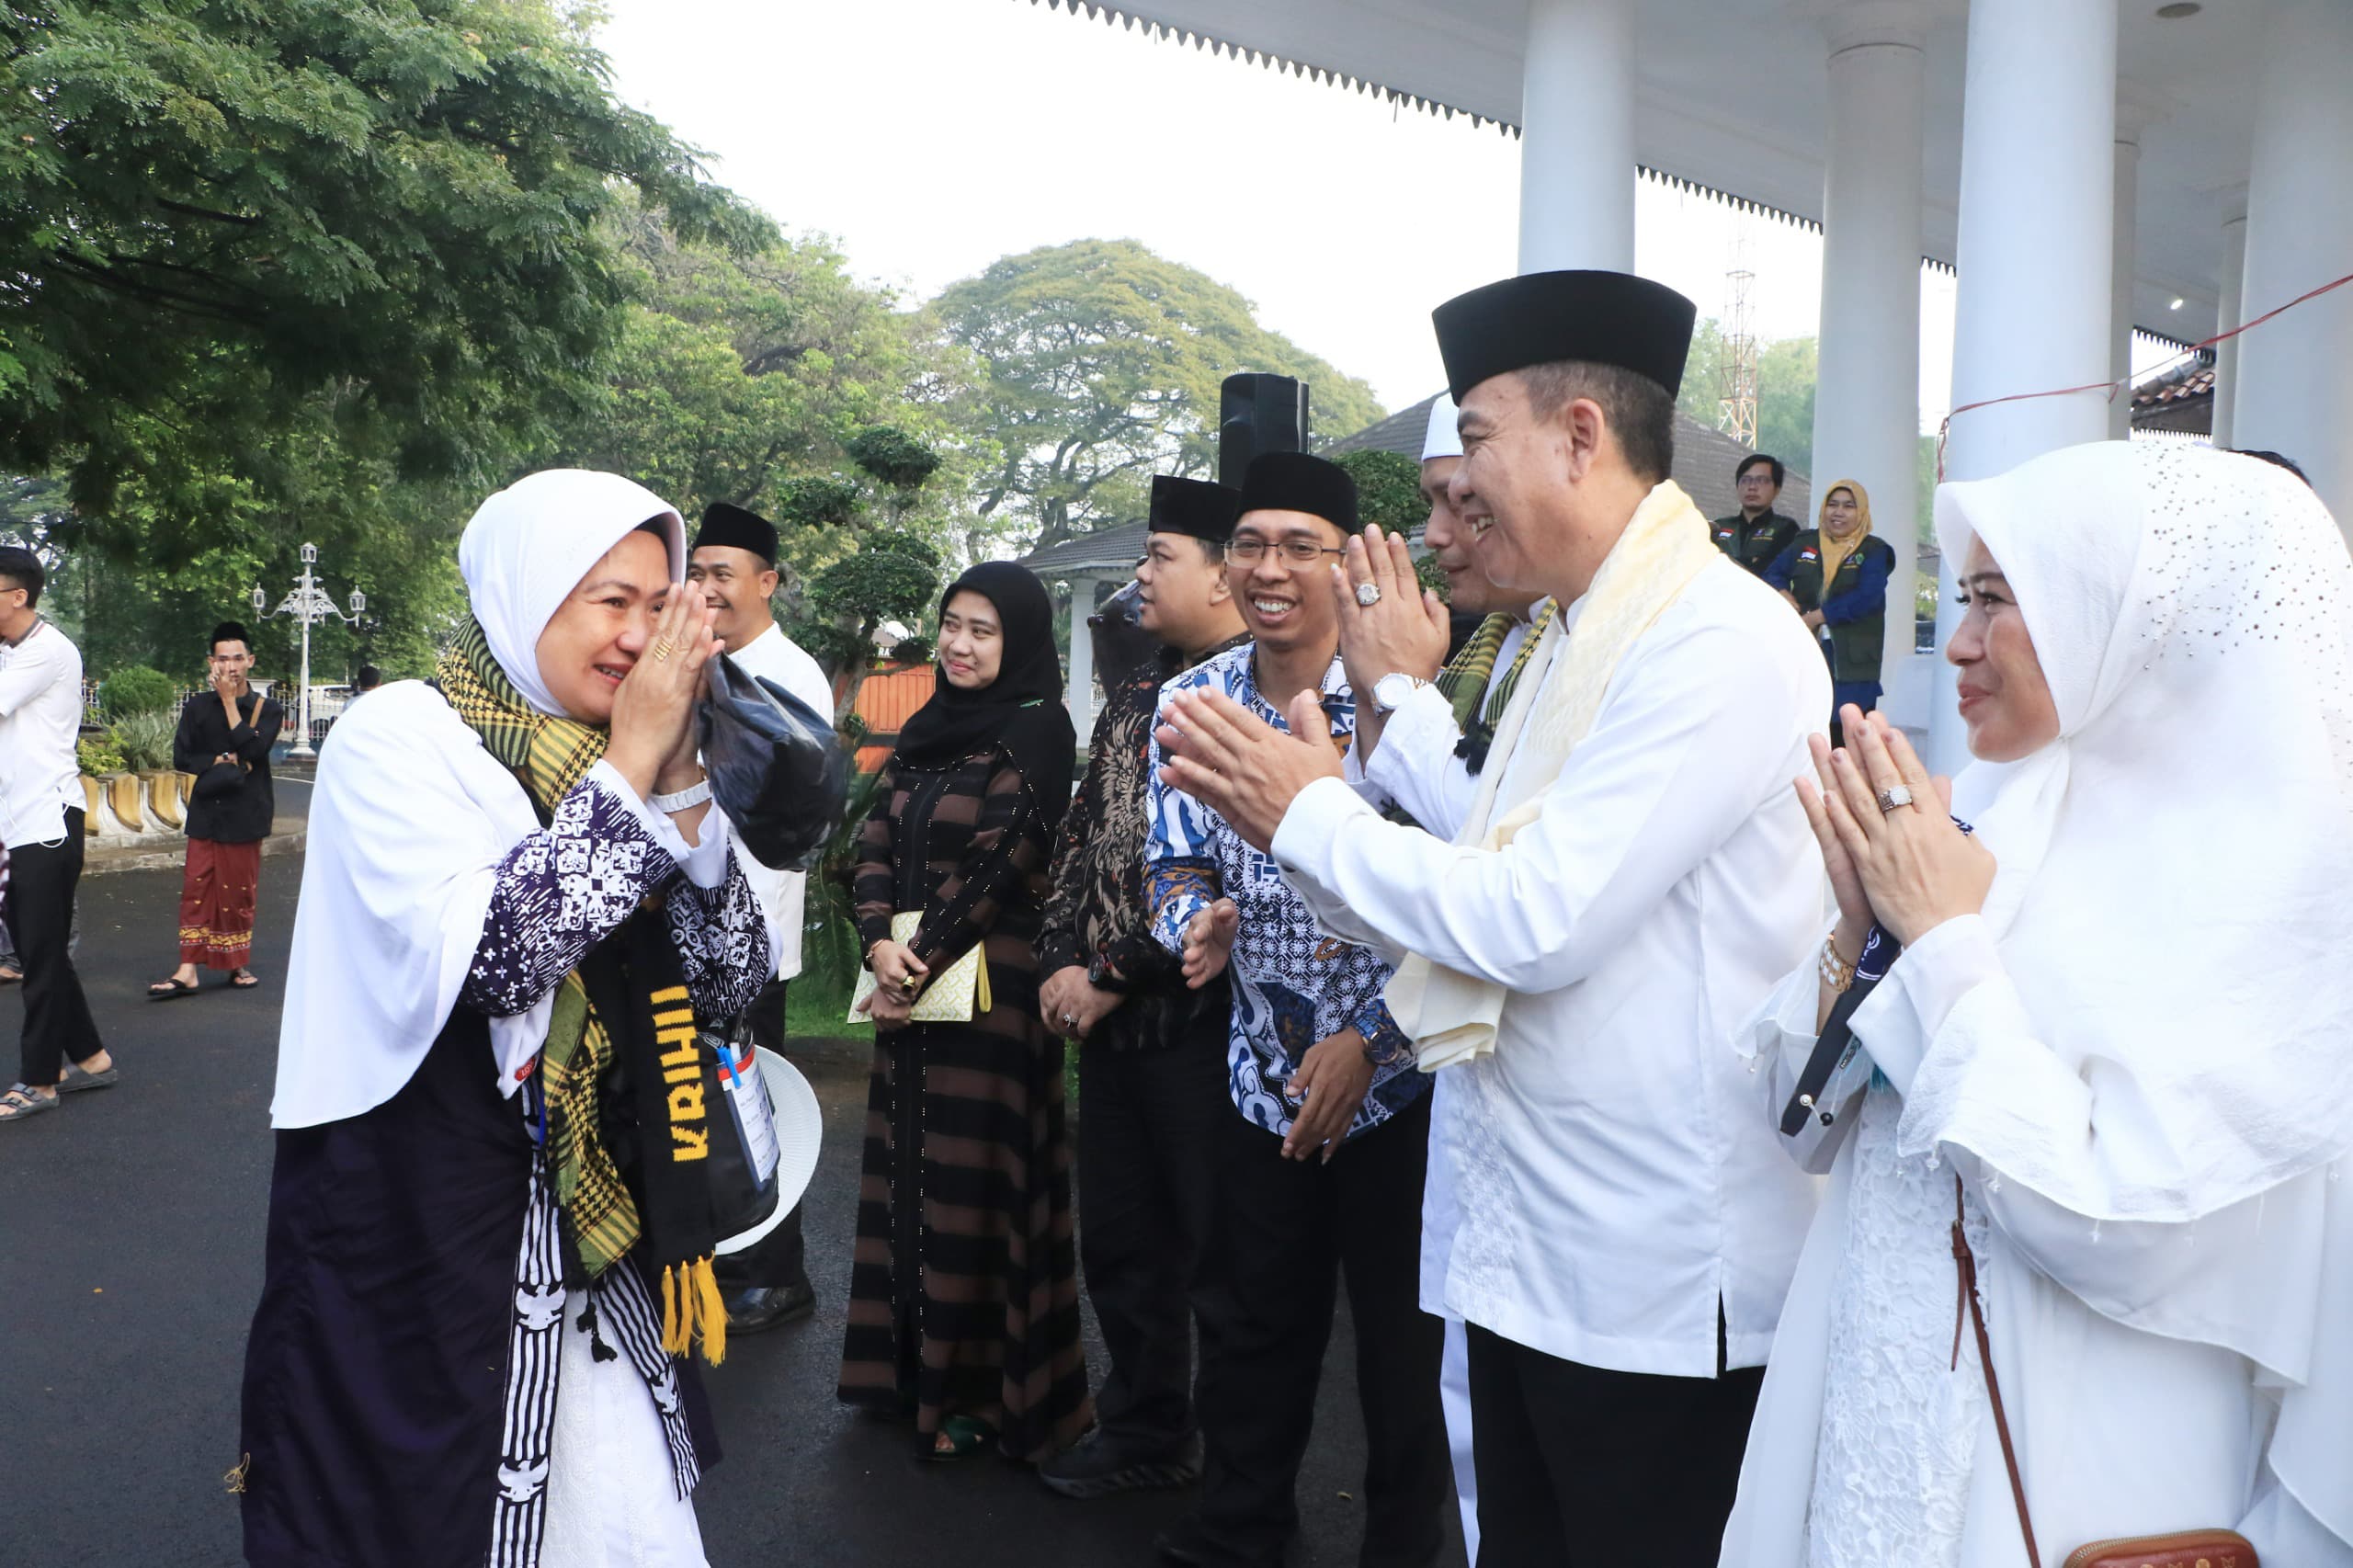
[528, 546]
[411, 818]
[2175, 897]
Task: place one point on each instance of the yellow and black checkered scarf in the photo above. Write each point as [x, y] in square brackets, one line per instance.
[549, 756]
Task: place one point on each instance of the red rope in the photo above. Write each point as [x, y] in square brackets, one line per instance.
[1944, 430]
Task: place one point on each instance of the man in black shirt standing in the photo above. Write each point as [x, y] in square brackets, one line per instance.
[1151, 1051]
[225, 739]
[1756, 535]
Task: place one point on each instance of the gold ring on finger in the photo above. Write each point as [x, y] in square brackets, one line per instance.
[661, 650]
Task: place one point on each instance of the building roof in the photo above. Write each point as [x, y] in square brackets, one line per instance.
[2182, 400]
[1704, 459]
[2192, 78]
[1110, 552]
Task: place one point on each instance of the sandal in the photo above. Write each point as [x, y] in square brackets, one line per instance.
[170, 987]
[966, 1436]
[21, 1102]
[244, 979]
[74, 1079]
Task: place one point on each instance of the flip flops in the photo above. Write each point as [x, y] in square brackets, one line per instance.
[171, 988]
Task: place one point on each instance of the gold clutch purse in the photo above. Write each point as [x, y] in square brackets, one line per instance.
[956, 995]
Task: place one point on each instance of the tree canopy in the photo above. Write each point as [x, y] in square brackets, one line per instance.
[220, 213]
[1102, 363]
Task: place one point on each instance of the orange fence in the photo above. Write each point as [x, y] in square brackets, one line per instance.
[885, 702]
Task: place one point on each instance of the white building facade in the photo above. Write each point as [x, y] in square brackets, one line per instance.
[2081, 164]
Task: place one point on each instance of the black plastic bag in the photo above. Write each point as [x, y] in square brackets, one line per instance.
[777, 767]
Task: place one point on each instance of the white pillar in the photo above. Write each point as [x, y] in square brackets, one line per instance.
[1081, 656]
[2300, 236]
[2038, 150]
[1867, 399]
[2227, 316]
[1577, 136]
[2127, 207]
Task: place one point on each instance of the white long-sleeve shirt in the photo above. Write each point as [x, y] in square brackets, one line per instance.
[1615, 1182]
[776, 657]
[40, 716]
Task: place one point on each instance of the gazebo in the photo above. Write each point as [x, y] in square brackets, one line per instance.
[2061, 155]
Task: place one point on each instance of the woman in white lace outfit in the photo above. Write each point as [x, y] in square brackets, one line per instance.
[2121, 1016]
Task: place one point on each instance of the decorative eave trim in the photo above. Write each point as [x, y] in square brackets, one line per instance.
[1113, 15]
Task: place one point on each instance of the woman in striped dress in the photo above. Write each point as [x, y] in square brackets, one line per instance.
[963, 1287]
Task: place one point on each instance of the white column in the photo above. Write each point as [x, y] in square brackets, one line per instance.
[1082, 655]
[2227, 317]
[2038, 151]
[1867, 399]
[1577, 136]
[2127, 208]
[2300, 236]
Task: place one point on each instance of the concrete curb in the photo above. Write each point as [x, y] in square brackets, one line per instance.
[97, 862]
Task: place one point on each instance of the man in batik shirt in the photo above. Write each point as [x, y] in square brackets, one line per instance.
[1321, 1165]
[1150, 1049]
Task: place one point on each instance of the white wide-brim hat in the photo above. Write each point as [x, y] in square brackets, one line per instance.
[799, 1132]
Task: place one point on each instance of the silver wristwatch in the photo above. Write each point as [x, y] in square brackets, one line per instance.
[1392, 690]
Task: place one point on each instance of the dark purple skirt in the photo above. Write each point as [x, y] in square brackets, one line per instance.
[376, 1370]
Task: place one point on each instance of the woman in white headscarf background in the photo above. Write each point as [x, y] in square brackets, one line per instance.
[2121, 1016]
[482, 1270]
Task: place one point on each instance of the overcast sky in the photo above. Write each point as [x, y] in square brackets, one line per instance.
[930, 137]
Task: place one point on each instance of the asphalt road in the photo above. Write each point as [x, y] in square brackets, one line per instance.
[131, 1251]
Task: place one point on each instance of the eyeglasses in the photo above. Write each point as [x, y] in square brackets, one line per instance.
[1298, 552]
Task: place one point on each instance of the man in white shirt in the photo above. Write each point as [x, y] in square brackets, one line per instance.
[735, 565]
[40, 822]
[1627, 883]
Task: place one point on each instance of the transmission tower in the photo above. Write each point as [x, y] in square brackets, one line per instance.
[1737, 372]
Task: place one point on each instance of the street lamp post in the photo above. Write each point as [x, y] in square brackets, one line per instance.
[309, 604]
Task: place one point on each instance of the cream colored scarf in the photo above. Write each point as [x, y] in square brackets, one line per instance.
[1451, 1017]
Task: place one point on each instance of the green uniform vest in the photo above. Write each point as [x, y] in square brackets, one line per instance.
[1855, 647]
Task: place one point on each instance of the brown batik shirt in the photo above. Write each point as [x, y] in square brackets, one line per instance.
[1095, 914]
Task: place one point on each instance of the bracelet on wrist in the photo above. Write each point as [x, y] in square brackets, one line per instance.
[693, 795]
[1837, 972]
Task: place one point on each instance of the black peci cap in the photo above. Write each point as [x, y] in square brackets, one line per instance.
[1598, 318]
[731, 527]
[1194, 507]
[1295, 482]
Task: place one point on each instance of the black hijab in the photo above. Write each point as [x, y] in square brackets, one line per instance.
[1021, 711]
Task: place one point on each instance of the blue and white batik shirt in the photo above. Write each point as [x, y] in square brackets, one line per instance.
[1292, 985]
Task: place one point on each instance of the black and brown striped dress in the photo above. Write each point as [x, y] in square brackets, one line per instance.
[963, 1284]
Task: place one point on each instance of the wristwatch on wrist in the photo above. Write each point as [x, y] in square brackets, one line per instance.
[1390, 692]
[693, 795]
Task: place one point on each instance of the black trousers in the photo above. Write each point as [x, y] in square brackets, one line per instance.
[58, 1026]
[1149, 1131]
[1581, 1466]
[779, 1259]
[1288, 1233]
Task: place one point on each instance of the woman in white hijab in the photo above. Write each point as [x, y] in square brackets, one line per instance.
[516, 885]
[2118, 1041]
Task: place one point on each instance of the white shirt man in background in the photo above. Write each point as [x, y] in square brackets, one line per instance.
[41, 823]
[733, 565]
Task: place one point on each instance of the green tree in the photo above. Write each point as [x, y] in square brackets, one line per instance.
[1102, 362]
[222, 213]
[1785, 371]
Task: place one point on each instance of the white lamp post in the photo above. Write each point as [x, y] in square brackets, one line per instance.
[309, 604]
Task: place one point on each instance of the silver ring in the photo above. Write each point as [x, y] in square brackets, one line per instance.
[1368, 594]
[1895, 795]
[1069, 1021]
